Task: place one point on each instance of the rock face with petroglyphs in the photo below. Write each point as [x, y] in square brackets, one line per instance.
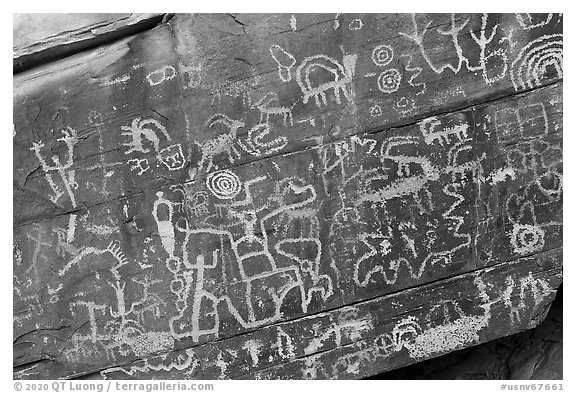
[283, 196]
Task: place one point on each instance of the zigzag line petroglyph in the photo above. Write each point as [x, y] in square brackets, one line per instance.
[417, 71]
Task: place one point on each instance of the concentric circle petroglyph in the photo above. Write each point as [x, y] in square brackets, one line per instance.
[389, 80]
[536, 59]
[382, 55]
[223, 184]
[527, 238]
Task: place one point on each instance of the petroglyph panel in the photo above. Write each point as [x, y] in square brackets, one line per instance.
[221, 197]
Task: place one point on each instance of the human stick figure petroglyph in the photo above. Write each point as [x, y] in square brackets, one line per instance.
[285, 62]
[95, 119]
[499, 54]
[252, 247]
[497, 58]
[67, 174]
[417, 37]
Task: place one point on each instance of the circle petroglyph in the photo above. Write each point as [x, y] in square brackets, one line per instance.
[527, 238]
[389, 80]
[223, 184]
[382, 55]
[375, 111]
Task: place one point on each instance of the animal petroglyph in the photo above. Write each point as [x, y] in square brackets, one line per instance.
[285, 62]
[255, 144]
[267, 106]
[431, 134]
[340, 75]
[222, 144]
[536, 60]
[67, 174]
[407, 183]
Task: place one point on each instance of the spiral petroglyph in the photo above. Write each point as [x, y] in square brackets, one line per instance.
[223, 184]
